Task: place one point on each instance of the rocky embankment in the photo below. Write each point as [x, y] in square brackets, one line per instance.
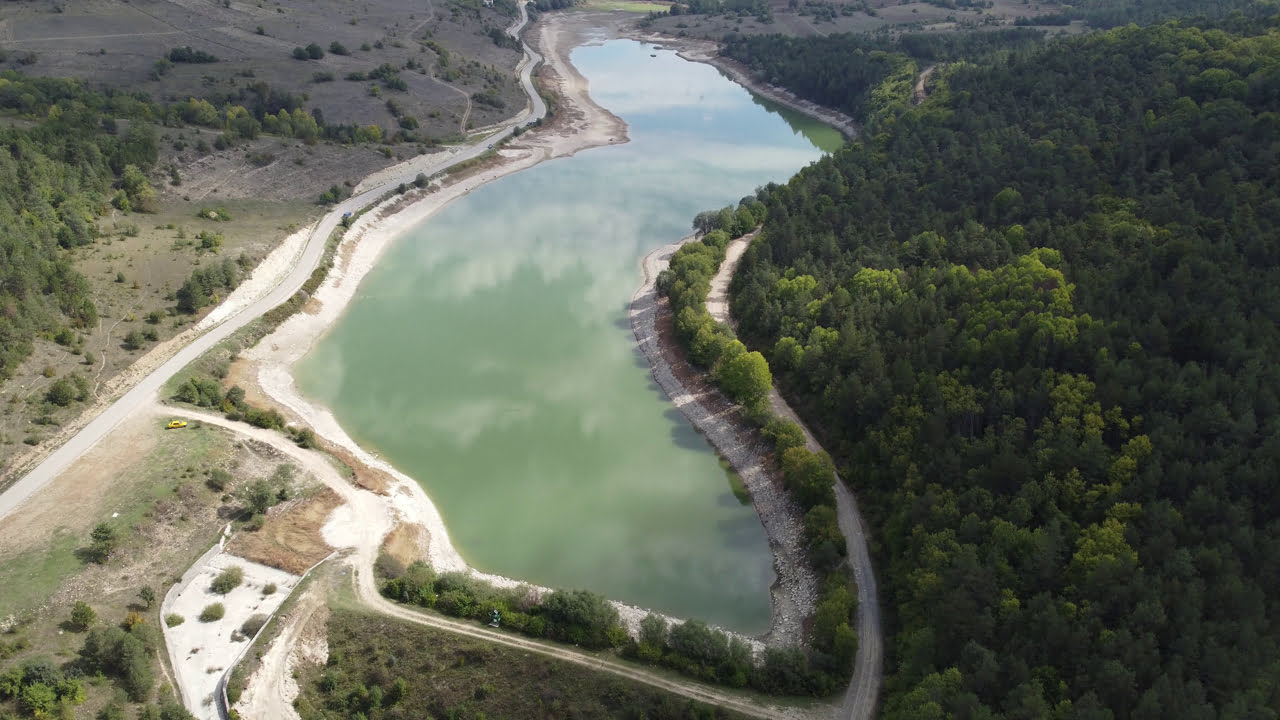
[795, 591]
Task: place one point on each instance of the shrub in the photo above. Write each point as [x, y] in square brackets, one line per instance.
[580, 617]
[253, 624]
[187, 55]
[212, 613]
[104, 540]
[124, 655]
[62, 393]
[227, 580]
[218, 480]
[82, 616]
[174, 620]
[269, 589]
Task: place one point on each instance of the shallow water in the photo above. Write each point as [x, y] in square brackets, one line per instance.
[489, 354]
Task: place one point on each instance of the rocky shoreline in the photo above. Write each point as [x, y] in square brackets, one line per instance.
[794, 593]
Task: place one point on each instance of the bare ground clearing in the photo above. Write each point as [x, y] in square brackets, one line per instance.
[147, 482]
[291, 538]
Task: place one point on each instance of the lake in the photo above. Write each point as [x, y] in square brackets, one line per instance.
[489, 355]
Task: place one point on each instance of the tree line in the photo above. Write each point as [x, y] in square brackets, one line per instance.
[60, 170]
[859, 74]
[1034, 320]
[808, 477]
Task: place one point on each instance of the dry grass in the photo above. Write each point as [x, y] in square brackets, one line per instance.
[406, 543]
[149, 483]
[132, 271]
[291, 537]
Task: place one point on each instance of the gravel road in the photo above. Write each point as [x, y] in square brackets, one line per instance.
[864, 689]
[145, 391]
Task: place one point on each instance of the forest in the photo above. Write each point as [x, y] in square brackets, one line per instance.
[1114, 13]
[1035, 321]
[843, 71]
[61, 168]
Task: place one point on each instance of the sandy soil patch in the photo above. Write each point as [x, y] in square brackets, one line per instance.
[202, 651]
[291, 538]
[78, 493]
[407, 543]
[302, 640]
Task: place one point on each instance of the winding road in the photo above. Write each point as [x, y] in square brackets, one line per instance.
[146, 390]
[860, 699]
[864, 690]
[375, 521]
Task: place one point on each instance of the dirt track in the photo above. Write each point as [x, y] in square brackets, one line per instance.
[864, 690]
[363, 523]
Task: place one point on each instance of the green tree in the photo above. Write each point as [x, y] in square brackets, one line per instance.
[82, 616]
[581, 617]
[103, 541]
[62, 392]
[258, 496]
[746, 378]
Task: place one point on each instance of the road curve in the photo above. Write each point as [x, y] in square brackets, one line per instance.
[864, 689]
[140, 394]
[377, 521]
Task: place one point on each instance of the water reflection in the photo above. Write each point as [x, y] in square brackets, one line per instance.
[486, 355]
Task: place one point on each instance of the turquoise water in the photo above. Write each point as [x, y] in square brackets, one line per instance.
[490, 357]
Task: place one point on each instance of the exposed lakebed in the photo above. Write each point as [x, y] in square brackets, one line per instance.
[489, 356]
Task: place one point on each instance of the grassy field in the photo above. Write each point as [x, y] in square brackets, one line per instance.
[133, 270]
[447, 676]
[149, 484]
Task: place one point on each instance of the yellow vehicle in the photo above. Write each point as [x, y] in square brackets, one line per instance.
[177, 424]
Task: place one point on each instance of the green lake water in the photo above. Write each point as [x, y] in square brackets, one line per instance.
[489, 354]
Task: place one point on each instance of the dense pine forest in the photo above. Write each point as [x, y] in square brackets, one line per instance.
[1034, 318]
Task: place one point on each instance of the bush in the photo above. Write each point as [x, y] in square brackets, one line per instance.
[123, 655]
[212, 613]
[187, 55]
[218, 480]
[62, 393]
[104, 540]
[82, 616]
[269, 589]
[227, 580]
[580, 617]
[173, 620]
[253, 625]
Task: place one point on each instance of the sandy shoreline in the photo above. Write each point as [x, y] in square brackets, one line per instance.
[795, 591]
[579, 124]
[705, 51]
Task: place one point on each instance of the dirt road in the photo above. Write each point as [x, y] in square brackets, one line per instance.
[921, 91]
[864, 690]
[361, 526]
[145, 391]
